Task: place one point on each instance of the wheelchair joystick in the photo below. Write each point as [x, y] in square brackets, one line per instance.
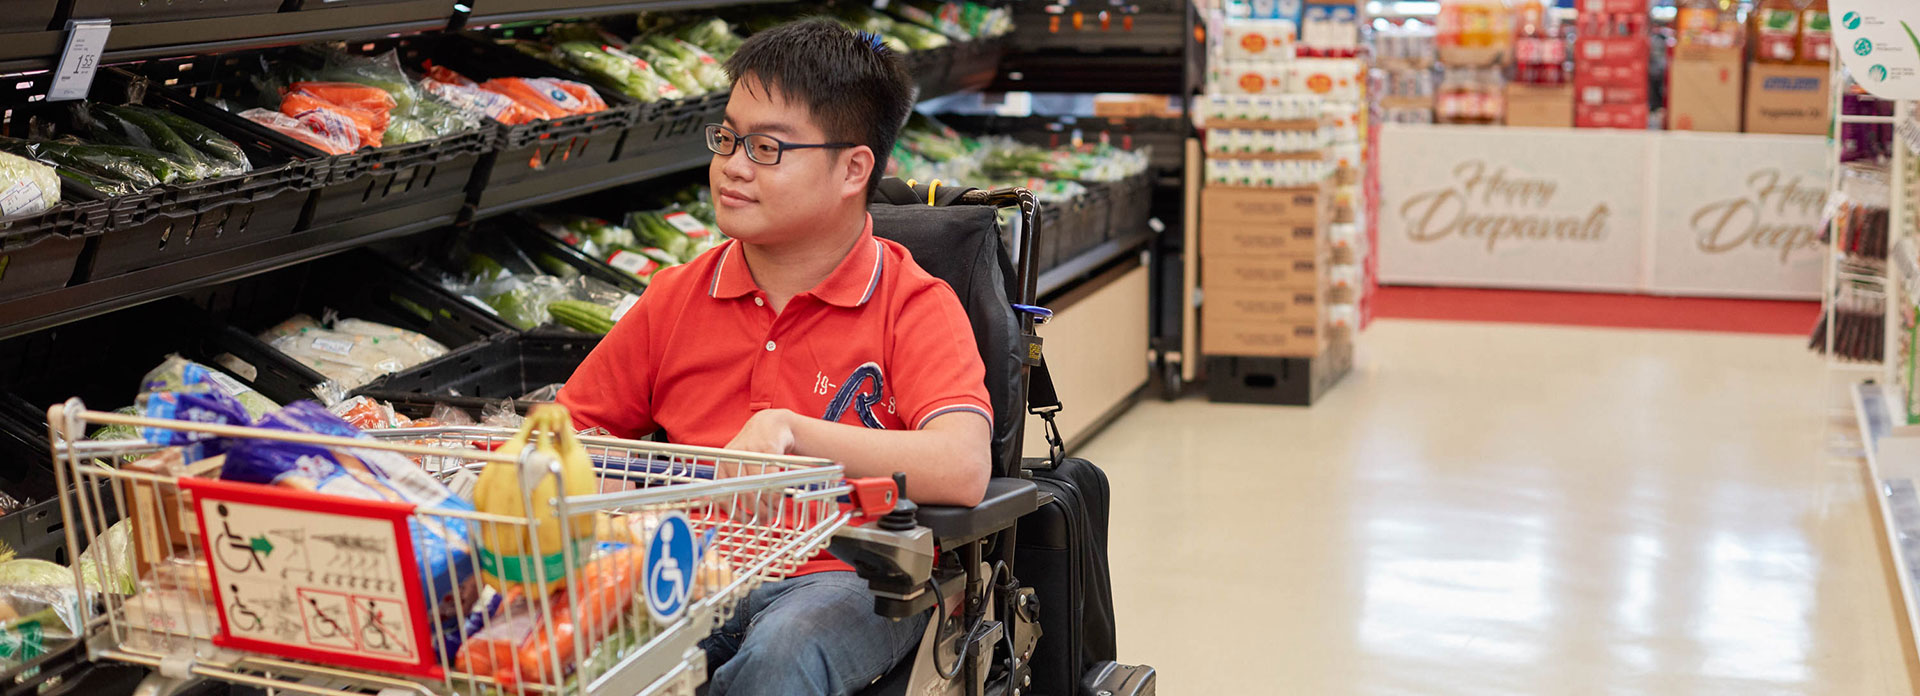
[905, 513]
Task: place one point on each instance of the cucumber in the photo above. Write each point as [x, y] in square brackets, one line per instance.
[106, 187]
[582, 315]
[207, 140]
[164, 140]
[163, 166]
[69, 156]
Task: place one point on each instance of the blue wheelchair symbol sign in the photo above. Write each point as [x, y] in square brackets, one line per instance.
[670, 568]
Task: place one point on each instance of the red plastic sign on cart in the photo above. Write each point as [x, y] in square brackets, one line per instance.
[316, 577]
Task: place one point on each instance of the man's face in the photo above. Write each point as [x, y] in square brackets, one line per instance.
[774, 204]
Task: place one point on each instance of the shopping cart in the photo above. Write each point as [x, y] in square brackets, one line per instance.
[297, 592]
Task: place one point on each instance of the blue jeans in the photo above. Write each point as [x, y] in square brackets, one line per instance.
[814, 634]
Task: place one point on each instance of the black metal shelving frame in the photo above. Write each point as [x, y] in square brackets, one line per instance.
[192, 37]
[1158, 53]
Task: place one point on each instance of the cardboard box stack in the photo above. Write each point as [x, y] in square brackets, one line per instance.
[1787, 88]
[1284, 164]
[1611, 58]
[1704, 77]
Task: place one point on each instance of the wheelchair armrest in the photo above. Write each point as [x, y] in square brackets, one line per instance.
[1008, 499]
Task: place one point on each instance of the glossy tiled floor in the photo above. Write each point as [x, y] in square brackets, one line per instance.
[1506, 509]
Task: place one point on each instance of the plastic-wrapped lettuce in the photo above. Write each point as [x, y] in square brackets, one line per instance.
[634, 77]
[705, 67]
[175, 373]
[713, 35]
[116, 574]
[26, 187]
[666, 65]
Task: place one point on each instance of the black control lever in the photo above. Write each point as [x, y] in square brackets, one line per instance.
[905, 515]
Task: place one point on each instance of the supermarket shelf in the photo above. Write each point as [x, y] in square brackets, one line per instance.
[590, 180]
[132, 42]
[1133, 73]
[1895, 498]
[489, 12]
[46, 310]
[1089, 261]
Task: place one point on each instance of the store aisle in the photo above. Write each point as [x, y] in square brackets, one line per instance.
[1507, 509]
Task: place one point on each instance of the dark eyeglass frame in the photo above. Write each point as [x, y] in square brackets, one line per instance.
[714, 129]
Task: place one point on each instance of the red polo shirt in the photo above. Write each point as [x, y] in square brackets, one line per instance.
[879, 343]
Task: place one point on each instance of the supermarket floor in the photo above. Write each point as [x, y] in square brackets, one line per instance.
[1507, 509]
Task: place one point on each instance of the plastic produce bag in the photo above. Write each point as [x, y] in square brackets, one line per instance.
[523, 302]
[713, 35]
[115, 574]
[635, 77]
[467, 96]
[122, 126]
[176, 373]
[26, 187]
[369, 108]
[441, 544]
[409, 347]
[206, 140]
[39, 608]
[514, 649]
[353, 352]
[326, 133]
[672, 67]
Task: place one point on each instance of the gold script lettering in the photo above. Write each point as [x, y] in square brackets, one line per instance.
[1724, 226]
[1489, 204]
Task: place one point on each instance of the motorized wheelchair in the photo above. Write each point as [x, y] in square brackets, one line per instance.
[959, 562]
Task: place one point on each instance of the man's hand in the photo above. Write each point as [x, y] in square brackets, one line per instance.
[767, 432]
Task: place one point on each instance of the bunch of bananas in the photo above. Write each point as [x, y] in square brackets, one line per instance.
[507, 551]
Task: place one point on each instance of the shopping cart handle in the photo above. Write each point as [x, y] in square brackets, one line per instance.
[639, 469]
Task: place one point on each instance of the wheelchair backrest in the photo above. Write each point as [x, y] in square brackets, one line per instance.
[961, 245]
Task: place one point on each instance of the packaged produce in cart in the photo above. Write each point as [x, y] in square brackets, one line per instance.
[321, 551]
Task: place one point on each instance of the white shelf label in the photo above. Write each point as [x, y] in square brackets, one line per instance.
[86, 40]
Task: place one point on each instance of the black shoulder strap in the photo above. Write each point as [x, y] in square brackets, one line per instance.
[1044, 401]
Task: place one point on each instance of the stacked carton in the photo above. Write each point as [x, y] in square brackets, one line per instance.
[1611, 58]
[1279, 209]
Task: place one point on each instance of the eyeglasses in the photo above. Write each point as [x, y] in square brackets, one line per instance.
[761, 148]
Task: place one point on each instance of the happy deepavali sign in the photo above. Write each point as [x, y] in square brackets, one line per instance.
[1672, 213]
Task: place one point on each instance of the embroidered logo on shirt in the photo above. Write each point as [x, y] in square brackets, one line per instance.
[854, 393]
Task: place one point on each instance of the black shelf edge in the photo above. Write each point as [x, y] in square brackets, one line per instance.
[1087, 73]
[132, 42]
[46, 310]
[1064, 275]
[591, 180]
[482, 16]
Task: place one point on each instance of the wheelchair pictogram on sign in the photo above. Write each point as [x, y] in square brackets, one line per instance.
[670, 568]
[316, 577]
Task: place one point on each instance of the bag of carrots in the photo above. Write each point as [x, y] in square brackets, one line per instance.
[369, 108]
[517, 649]
[553, 98]
[470, 97]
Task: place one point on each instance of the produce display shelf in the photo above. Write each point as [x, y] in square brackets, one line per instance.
[589, 180]
[1073, 72]
[491, 12]
[1070, 271]
[1896, 503]
[46, 310]
[132, 42]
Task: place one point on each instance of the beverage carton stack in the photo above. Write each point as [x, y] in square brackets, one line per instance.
[1611, 58]
[1280, 248]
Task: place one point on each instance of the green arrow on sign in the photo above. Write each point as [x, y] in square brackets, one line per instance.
[261, 544]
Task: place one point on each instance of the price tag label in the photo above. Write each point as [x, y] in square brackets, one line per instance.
[86, 40]
[687, 224]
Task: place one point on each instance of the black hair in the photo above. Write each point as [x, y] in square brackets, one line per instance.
[857, 89]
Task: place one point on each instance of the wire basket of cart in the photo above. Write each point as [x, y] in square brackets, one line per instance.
[437, 582]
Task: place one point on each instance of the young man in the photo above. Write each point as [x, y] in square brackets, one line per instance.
[804, 335]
